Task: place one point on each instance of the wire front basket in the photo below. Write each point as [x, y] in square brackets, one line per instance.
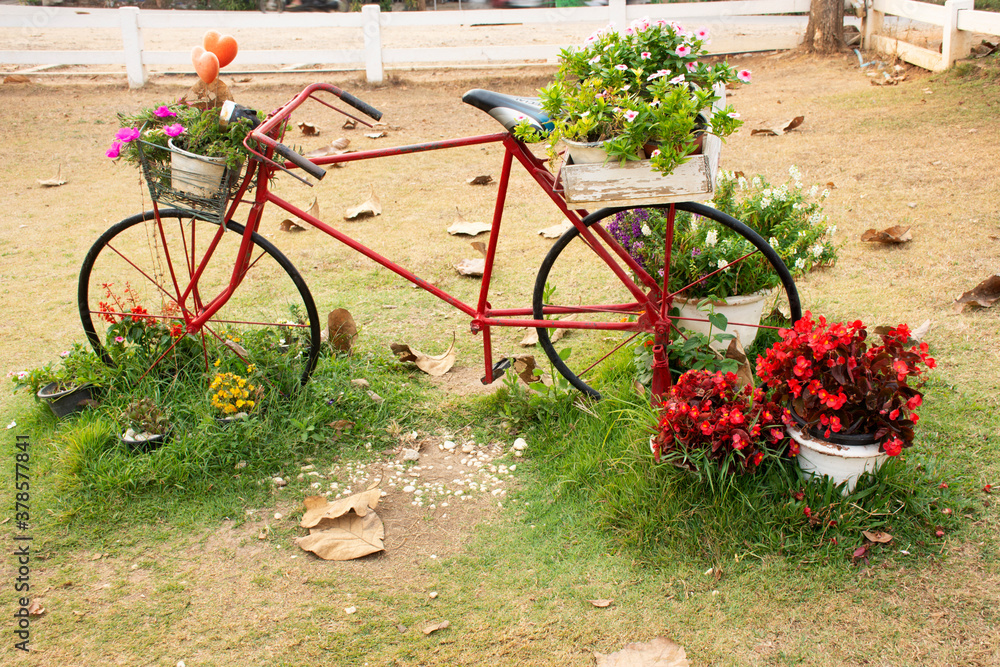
[193, 183]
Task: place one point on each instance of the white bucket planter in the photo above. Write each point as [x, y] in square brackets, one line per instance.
[841, 463]
[586, 152]
[747, 309]
[195, 174]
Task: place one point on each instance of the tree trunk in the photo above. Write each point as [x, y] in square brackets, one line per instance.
[825, 32]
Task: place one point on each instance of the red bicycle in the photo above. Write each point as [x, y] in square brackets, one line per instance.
[191, 268]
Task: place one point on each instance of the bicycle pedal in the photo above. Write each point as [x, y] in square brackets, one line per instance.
[499, 368]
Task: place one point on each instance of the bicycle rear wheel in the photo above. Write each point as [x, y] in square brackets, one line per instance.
[573, 282]
[136, 305]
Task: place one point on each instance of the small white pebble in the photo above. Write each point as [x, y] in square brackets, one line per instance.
[350, 610]
[409, 489]
[520, 444]
[433, 594]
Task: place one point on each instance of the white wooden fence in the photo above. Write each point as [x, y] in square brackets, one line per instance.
[957, 19]
[373, 57]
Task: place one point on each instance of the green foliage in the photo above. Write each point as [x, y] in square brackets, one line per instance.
[144, 415]
[77, 366]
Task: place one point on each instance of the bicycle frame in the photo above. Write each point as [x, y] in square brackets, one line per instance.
[483, 315]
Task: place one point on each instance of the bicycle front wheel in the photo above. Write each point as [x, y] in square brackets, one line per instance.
[146, 279]
[574, 283]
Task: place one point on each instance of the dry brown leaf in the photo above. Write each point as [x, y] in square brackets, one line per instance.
[877, 536]
[308, 129]
[984, 294]
[531, 338]
[240, 351]
[368, 208]
[350, 536]
[319, 511]
[341, 425]
[780, 128]
[436, 626]
[287, 225]
[53, 182]
[35, 608]
[341, 329]
[555, 231]
[661, 652]
[894, 234]
[601, 604]
[207, 96]
[435, 366]
[375, 135]
[349, 124]
[920, 332]
[471, 267]
[338, 147]
[461, 226]
[744, 371]
[243, 79]
[16, 78]
[485, 179]
[524, 365]
[479, 247]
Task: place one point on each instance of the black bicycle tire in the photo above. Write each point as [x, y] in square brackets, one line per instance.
[703, 210]
[83, 286]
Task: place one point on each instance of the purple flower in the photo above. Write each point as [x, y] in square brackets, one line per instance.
[115, 150]
[163, 112]
[127, 134]
[174, 130]
[696, 252]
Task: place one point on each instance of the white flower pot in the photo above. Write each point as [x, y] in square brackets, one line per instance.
[195, 174]
[841, 463]
[746, 309]
[586, 152]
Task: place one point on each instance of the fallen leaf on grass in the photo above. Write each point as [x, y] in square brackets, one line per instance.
[894, 234]
[744, 370]
[527, 369]
[349, 124]
[338, 147]
[461, 226]
[53, 182]
[660, 652]
[877, 536]
[479, 247]
[341, 425]
[320, 512]
[347, 537]
[471, 267]
[435, 366]
[368, 208]
[308, 129]
[35, 608]
[601, 604]
[780, 128]
[375, 135]
[436, 626]
[985, 294]
[287, 225]
[341, 329]
[861, 552]
[555, 231]
[916, 335]
[485, 179]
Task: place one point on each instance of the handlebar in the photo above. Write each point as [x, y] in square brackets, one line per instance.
[261, 132]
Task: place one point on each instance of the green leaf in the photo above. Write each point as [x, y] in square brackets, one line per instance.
[718, 320]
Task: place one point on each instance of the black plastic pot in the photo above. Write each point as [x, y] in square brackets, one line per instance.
[845, 439]
[66, 401]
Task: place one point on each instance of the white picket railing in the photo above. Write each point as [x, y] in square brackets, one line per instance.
[957, 19]
[373, 56]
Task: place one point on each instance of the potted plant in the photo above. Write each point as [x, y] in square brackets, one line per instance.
[638, 93]
[68, 386]
[147, 425]
[707, 418]
[232, 396]
[185, 144]
[788, 216]
[849, 403]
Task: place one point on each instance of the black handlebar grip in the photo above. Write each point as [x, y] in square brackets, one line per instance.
[363, 107]
[313, 169]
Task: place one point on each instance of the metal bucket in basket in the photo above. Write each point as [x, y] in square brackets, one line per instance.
[195, 174]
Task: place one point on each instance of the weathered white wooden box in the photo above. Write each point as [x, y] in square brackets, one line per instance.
[637, 184]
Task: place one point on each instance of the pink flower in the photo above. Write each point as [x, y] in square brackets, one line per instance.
[174, 130]
[677, 79]
[654, 154]
[692, 66]
[119, 339]
[163, 112]
[645, 55]
[701, 33]
[127, 134]
[657, 74]
[629, 31]
[683, 50]
[621, 67]
[115, 150]
[596, 59]
[630, 115]
[743, 75]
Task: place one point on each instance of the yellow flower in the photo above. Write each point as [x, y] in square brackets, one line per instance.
[229, 409]
[240, 403]
[250, 404]
[217, 362]
[251, 368]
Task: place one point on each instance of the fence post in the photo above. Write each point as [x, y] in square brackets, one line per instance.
[132, 46]
[873, 24]
[956, 44]
[617, 15]
[371, 27]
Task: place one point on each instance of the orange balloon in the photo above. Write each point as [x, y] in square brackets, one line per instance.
[223, 46]
[205, 64]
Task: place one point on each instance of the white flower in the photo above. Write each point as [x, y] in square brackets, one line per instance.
[646, 231]
[756, 182]
[817, 250]
[832, 230]
[722, 264]
[826, 193]
[711, 238]
[765, 202]
[742, 182]
[816, 218]
[800, 263]
[773, 241]
[813, 190]
[802, 233]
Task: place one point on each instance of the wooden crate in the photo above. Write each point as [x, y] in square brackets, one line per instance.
[636, 184]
